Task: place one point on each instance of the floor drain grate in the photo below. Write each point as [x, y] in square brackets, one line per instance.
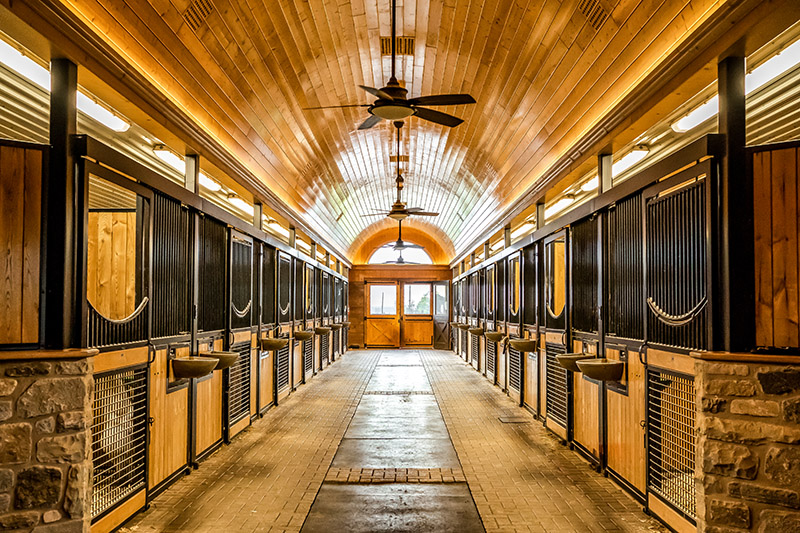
[514, 419]
[395, 475]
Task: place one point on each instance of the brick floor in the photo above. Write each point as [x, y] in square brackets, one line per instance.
[267, 479]
[520, 476]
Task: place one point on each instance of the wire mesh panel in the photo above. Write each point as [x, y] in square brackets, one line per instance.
[335, 343]
[237, 384]
[324, 349]
[283, 367]
[119, 438]
[557, 384]
[475, 348]
[308, 356]
[514, 369]
[454, 335]
[491, 354]
[671, 438]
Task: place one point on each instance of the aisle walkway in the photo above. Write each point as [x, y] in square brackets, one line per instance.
[396, 440]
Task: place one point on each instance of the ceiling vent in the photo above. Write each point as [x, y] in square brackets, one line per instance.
[404, 46]
[594, 12]
[197, 13]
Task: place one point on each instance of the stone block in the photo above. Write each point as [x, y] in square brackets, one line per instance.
[71, 421]
[46, 425]
[15, 443]
[728, 387]
[714, 404]
[763, 494]
[51, 516]
[725, 369]
[6, 479]
[6, 410]
[7, 386]
[72, 368]
[24, 520]
[748, 432]
[782, 465]
[74, 499]
[38, 486]
[61, 449]
[73, 526]
[729, 513]
[760, 408]
[729, 460]
[50, 396]
[779, 381]
[778, 521]
[5, 502]
[27, 370]
[791, 410]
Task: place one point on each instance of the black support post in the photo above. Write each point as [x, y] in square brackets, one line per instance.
[734, 324]
[63, 223]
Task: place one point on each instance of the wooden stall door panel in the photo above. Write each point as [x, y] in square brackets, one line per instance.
[297, 363]
[266, 381]
[209, 407]
[253, 375]
[417, 332]
[170, 429]
[626, 414]
[20, 240]
[531, 393]
[382, 332]
[585, 428]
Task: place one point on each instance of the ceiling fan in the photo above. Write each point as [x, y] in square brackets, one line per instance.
[392, 104]
[400, 260]
[399, 211]
[400, 244]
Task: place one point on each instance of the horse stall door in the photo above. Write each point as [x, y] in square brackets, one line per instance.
[297, 363]
[208, 406]
[558, 385]
[531, 392]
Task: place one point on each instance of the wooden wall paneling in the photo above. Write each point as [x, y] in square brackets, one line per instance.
[777, 270]
[266, 365]
[762, 220]
[531, 394]
[111, 261]
[32, 237]
[297, 362]
[20, 242]
[170, 428]
[625, 450]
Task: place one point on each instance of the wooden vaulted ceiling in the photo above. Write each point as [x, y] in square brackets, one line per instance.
[543, 72]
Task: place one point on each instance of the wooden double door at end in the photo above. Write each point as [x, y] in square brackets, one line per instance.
[405, 314]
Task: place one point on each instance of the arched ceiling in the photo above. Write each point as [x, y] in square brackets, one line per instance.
[430, 237]
[542, 72]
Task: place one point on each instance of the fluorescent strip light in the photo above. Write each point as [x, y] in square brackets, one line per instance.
[522, 230]
[303, 244]
[24, 66]
[591, 185]
[698, 116]
[774, 67]
[628, 160]
[275, 227]
[102, 115]
[559, 206]
[241, 205]
[209, 183]
[171, 158]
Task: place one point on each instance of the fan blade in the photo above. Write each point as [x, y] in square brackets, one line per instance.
[375, 215]
[371, 121]
[442, 99]
[421, 212]
[335, 106]
[376, 92]
[437, 116]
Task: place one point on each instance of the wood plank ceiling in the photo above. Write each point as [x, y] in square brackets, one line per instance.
[542, 71]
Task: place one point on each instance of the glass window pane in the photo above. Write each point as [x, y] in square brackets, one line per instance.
[383, 299]
[417, 299]
[440, 300]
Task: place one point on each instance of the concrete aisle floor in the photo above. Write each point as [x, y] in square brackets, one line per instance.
[395, 440]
